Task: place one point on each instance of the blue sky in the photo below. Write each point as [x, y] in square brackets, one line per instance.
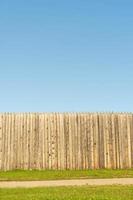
[66, 55]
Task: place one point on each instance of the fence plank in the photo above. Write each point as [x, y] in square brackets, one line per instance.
[1, 141]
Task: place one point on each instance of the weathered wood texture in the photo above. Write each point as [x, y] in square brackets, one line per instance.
[66, 140]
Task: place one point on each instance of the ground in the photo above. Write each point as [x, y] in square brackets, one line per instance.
[69, 193]
[22, 175]
[114, 192]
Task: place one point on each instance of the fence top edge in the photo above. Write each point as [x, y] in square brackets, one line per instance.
[64, 113]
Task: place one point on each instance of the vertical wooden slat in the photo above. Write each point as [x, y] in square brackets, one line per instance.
[62, 141]
[49, 142]
[14, 141]
[56, 125]
[79, 141]
[88, 133]
[124, 137]
[113, 142]
[67, 141]
[95, 141]
[107, 140]
[131, 136]
[1, 141]
[26, 142]
[76, 140]
[31, 131]
[46, 140]
[129, 165]
[91, 142]
[40, 141]
[23, 141]
[43, 140]
[73, 140]
[110, 159]
[11, 142]
[70, 141]
[18, 141]
[120, 140]
[6, 141]
[104, 140]
[54, 142]
[117, 141]
[84, 140]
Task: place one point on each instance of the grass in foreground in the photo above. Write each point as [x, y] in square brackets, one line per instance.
[21, 175]
[71, 193]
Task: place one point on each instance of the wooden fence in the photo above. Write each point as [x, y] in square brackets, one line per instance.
[66, 140]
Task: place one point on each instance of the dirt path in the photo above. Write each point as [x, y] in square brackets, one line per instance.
[29, 184]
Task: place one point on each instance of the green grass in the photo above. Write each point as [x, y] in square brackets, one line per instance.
[20, 175]
[69, 193]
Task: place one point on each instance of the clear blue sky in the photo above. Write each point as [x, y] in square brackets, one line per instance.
[74, 55]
